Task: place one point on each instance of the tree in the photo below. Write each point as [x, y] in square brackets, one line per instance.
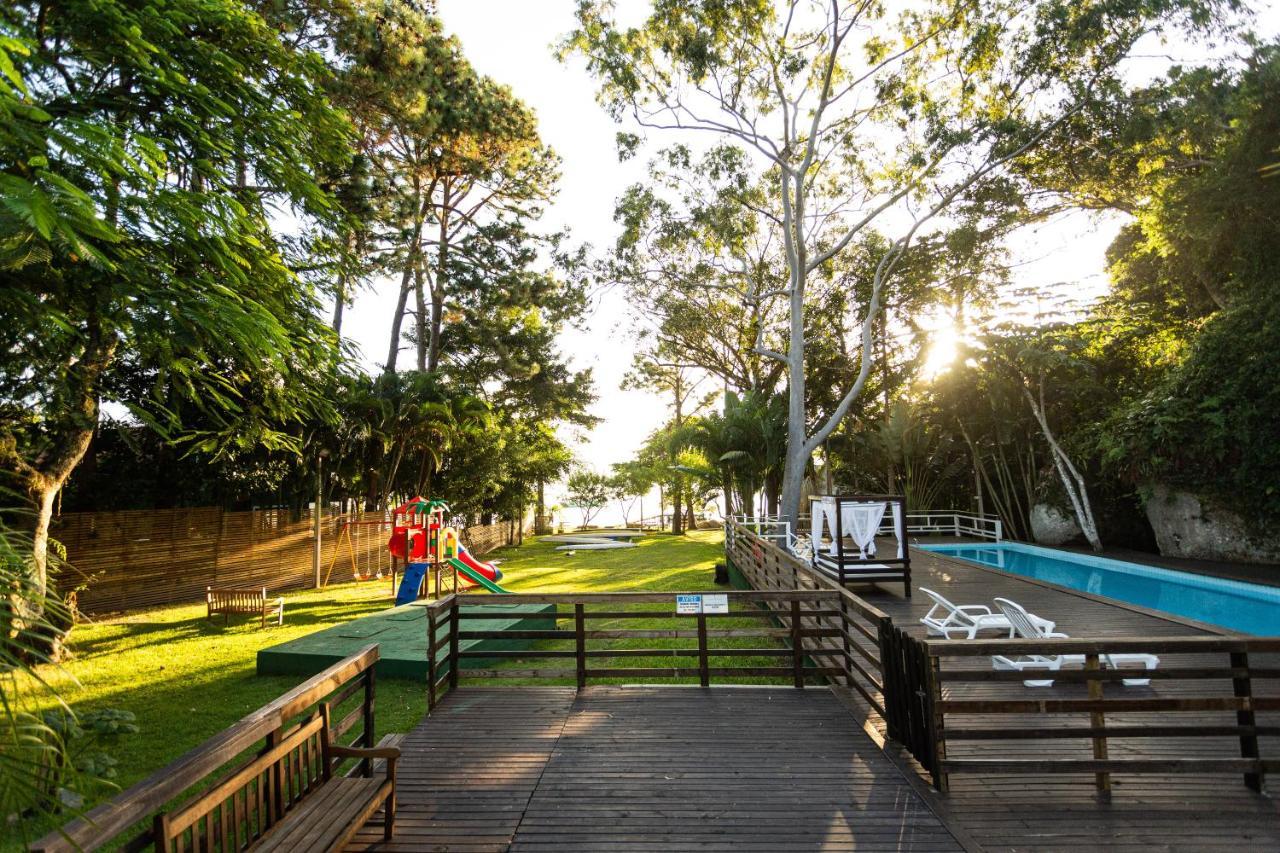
[588, 491]
[654, 371]
[140, 157]
[629, 482]
[864, 123]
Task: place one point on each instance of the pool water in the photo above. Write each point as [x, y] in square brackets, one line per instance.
[1248, 607]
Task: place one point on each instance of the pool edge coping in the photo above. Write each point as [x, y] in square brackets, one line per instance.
[1101, 599]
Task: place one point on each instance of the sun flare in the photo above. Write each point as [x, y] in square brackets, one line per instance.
[944, 345]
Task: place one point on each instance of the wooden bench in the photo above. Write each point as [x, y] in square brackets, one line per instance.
[228, 601]
[287, 798]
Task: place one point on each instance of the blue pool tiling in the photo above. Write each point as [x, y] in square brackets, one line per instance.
[1248, 607]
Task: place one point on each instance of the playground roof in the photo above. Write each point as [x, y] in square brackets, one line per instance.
[421, 506]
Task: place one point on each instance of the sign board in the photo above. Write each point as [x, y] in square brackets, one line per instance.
[688, 605]
[715, 603]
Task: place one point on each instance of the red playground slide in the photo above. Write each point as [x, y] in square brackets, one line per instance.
[488, 570]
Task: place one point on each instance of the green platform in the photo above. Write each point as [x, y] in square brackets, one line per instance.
[401, 634]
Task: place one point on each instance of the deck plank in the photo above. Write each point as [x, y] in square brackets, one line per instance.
[651, 768]
[1057, 812]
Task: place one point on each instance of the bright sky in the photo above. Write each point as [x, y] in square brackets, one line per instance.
[511, 41]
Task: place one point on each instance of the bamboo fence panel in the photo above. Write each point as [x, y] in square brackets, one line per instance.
[134, 559]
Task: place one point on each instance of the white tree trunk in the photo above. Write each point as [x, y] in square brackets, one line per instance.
[1072, 481]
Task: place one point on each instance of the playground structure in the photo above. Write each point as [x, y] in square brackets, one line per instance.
[416, 549]
[431, 550]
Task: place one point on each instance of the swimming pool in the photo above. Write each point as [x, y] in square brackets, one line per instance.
[1248, 607]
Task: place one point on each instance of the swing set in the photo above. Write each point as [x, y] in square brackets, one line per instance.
[363, 544]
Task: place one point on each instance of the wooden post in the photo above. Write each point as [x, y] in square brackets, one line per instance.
[1243, 689]
[797, 649]
[1097, 720]
[580, 641]
[367, 738]
[936, 721]
[890, 675]
[275, 784]
[317, 521]
[848, 649]
[431, 659]
[453, 645]
[704, 671]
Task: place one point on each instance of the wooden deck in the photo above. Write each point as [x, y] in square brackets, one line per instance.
[683, 768]
[652, 768]
[1029, 812]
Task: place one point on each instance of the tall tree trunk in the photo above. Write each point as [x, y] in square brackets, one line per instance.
[440, 282]
[397, 319]
[69, 432]
[422, 324]
[1072, 481]
[540, 511]
[340, 289]
[338, 304]
[411, 264]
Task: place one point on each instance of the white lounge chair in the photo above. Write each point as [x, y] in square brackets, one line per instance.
[1024, 627]
[966, 620]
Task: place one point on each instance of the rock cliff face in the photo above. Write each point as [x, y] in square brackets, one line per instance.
[1052, 526]
[1190, 526]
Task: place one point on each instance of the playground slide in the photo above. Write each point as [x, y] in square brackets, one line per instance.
[474, 576]
[489, 570]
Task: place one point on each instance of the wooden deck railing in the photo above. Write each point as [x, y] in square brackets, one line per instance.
[793, 637]
[347, 688]
[766, 566]
[1213, 705]
[1210, 708]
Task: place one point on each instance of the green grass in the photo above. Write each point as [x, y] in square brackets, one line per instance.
[186, 677]
[657, 564]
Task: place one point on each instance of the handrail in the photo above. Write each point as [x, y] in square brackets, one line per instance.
[102, 823]
[965, 705]
[804, 617]
[956, 522]
[860, 649]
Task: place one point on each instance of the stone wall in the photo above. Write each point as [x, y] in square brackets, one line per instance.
[1187, 525]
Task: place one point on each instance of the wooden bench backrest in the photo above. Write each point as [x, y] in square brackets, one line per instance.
[253, 797]
[237, 599]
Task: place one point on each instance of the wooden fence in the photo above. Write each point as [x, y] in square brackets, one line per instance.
[1212, 705]
[144, 558]
[124, 821]
[766, 566]
[794, 637]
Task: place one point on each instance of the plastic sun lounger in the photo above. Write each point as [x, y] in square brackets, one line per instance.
[1025, 628]
[966, 620]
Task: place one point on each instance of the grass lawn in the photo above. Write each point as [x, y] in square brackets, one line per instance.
[657, 564]
[186, 677]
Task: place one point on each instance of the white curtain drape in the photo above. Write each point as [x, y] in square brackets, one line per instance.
[860, 522]
[899, 526]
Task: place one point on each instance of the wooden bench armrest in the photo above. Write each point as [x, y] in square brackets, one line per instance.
[391, 753]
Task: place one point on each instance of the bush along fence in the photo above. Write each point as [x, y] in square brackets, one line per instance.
[144, 558]
[1211, 706]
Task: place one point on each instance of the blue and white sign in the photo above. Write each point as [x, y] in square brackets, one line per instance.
[688, 605]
